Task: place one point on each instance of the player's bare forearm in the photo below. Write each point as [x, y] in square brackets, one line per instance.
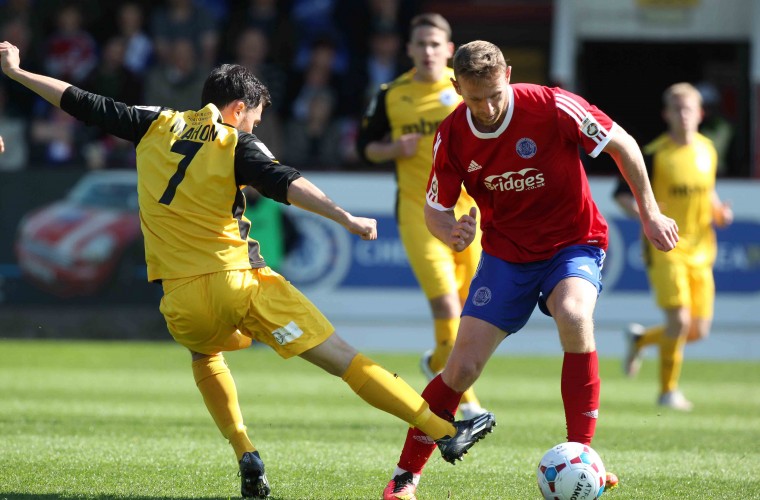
[305, 195]
[380, 151]
[660, 230]
[50, 89]
[403, 147]
[627, 155]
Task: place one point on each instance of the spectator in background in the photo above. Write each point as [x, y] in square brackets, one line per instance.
[314, 138]
[383, 63]
[70, 51]
[715, 126]
[14, 129]
[251, 51]
[317, 77]
[313, 22]
[112, 77]
[20, 11]
[109, 152]
[57, 139]
[271, 17]
[183, 20]
[176, 82]
[682, 168]
[139, 47]
[311, 120]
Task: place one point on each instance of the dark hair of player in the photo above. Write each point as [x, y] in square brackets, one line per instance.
[230, 82]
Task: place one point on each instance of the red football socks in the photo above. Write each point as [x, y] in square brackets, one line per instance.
[418, 447]
[580, 394]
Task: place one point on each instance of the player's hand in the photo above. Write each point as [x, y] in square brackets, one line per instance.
[407, 145]
[362, 226]
[723, 215]
[2, 145]
[662, 231]
[9, 57]
[463, 232]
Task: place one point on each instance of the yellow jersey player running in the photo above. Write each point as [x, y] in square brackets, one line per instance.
[219, 295]
[399, 125]
[682, 170]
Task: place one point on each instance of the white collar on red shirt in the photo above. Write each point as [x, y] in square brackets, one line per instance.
[504, 124]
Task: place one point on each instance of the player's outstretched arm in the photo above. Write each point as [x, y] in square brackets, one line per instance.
[305, 195]
[46, 87]
[662, 231]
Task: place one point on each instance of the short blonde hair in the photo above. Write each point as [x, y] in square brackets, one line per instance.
[682, 89]
[433, 20]
[478, 59]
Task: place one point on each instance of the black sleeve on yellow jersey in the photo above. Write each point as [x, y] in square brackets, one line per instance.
[127, 122]
[622, 187]
[375, 125]
[255, 168]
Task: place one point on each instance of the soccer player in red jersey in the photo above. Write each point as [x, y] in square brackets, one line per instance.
[515, 150]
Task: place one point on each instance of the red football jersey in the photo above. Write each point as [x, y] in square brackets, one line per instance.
[526, 177]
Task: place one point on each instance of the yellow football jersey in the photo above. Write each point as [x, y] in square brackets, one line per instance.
[683, 182]
[186, 182]
[190, 169]
[406, 106]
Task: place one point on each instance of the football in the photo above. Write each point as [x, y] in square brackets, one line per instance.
[571, 471]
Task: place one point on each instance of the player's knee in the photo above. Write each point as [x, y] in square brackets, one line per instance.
[460, 376]
[573, 319]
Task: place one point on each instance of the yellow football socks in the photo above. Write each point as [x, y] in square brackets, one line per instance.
[215, 382]
[671, 361]
[651, 336]
[445, 336]
[388, 392]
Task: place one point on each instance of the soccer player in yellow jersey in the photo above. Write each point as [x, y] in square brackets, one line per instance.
[683, 169]
[219, 295]
[399, 125]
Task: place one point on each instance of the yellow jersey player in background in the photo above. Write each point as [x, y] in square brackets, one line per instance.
[219, 294]
[683, 170]
[400, 124]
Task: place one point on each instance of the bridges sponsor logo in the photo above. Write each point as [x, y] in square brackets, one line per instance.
[523, 180]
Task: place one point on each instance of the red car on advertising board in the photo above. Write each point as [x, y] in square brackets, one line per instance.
[87, 243]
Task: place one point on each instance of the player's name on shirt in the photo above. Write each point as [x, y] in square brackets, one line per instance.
[202, 132]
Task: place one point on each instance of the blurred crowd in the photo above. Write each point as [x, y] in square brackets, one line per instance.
[321, 59]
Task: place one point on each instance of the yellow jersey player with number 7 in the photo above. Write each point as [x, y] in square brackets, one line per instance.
[219, 295]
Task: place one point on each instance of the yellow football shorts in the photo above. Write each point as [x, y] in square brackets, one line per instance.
[438, 269]
[227, 310]
[676, 283]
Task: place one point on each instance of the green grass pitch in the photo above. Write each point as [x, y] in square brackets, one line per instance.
[124, 420]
